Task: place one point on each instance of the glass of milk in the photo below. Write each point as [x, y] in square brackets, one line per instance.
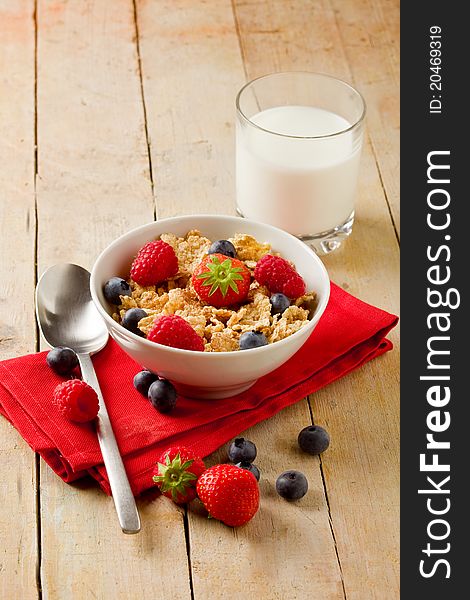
[299, 139]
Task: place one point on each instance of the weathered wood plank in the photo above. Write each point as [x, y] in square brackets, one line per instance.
[370, 34]
[288, 549]
[361, 468]
[18, 535]
[191, 74]
[192, 70]
[93, 185]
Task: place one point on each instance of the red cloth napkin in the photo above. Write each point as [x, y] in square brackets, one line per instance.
[349, 334]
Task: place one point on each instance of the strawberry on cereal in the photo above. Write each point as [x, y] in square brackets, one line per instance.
[212, 295]
[221, 281]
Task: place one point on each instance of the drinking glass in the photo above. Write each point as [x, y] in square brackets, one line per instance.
[298, 145]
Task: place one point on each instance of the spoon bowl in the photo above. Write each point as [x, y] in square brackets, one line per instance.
[65, 310]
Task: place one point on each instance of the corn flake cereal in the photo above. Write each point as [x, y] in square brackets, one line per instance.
[220, 328]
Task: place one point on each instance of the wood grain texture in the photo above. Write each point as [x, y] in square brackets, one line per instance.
[94, 185]
[370, 35]
[100, 74]
[18, 532]
[287, 550]
[191, 73]
[190, 93]
[361, 470]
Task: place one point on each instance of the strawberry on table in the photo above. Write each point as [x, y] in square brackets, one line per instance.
[221, 281]
[155, 262]
[279, 276]
[176, 473]
[229, 493]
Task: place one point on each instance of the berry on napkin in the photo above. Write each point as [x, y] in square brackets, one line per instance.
[62, 360]
[76, 400]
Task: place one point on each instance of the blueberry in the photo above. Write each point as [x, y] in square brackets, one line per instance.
[292, 485]
[162, 395]
[249, 467]
[223, 247]
[314, 439]
[62, 360]
[132, 318]
[252, 339]
[279, 303]
[241, 450]
[114, 288]
[143, 380]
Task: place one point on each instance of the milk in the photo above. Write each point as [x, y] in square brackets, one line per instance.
[305, 186]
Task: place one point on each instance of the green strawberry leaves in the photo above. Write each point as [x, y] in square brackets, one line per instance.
[174, 476]
[221, 276]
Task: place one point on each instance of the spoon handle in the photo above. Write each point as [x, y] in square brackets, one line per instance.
[122, 495]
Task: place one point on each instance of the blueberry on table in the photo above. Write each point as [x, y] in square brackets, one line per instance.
[223, 247]
[62, 360]
[241, 450]
[314, 439]
[279, 303]
[292, 485]
[143, 380]
[162, 395]
[249, 467]
[131, 320]
[252, 339]
[114, 288]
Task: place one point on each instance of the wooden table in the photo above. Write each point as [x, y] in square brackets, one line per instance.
[112, 114]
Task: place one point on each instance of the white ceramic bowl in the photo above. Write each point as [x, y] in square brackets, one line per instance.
[208, 374]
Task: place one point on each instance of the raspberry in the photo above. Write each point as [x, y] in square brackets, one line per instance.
[76, 400]
[155, 262]
[278, 275]
[174, 331]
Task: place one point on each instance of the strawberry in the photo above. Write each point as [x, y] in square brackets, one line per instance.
[229, 493]
[176, 473]
[221, 281]
[279, 276]
[174, 331]
[76, 400]
[155, 262]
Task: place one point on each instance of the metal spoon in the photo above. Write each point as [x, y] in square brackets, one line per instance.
[67, 317]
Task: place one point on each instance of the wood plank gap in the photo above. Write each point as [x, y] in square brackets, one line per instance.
[144, 108]
[242, 54]
[188, 550]
[397, 235]
[327, 500]
[369, 139]
[36, 161]
[37, 461]
[38, 526]
[35, 19]
[239, 38]
[330, 520]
